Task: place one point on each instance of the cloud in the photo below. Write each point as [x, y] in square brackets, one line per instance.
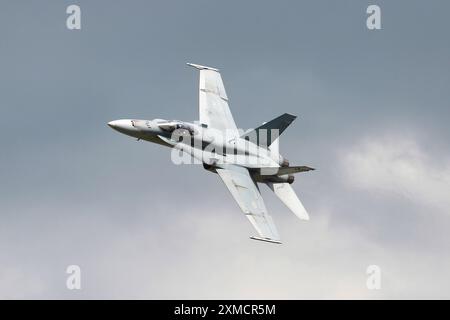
[399, 166]
[74, 192]
[18, 284]
[203, 251]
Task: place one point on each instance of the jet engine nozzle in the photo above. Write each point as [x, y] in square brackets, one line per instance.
[290, 179]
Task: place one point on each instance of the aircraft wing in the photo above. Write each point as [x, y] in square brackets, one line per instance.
[213, 101]
[246, 193]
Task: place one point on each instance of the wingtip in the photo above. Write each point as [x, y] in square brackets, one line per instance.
[200, 67]
[266, 240]
[291, 115]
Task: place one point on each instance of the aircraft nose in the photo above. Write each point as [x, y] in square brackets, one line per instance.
[120, 124]
[113, 124]
[124, 126]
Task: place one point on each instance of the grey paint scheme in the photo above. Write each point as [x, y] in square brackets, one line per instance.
[240, 163]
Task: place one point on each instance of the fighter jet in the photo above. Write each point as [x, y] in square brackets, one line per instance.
[241, 159]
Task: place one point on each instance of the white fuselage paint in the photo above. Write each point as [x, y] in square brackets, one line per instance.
[207, 145]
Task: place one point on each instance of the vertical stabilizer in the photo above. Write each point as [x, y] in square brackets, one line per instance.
[263, 133]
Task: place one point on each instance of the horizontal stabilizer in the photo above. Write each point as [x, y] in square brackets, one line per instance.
[263, 135]
[291, 170]
[287, 195]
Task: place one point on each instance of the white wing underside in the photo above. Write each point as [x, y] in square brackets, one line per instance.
[287, 195]
[246, 193]
[213, 100]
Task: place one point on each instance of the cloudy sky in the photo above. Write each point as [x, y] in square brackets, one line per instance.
[373, 111]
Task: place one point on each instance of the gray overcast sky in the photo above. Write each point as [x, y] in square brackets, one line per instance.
[373, 111]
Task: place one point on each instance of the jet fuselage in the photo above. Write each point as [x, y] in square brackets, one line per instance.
[208, 146]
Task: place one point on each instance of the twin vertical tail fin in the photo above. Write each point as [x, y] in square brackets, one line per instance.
[287, 195]
[265, 137]
[264, 134]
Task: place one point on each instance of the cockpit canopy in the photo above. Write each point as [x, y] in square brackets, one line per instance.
[173, 125]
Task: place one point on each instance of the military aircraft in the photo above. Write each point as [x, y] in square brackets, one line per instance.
[241, 159]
